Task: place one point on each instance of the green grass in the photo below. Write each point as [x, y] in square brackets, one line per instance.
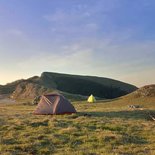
[107, 127]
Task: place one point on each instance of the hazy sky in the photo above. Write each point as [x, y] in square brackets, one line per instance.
[109, 38]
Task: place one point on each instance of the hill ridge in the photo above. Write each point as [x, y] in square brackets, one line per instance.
[67, 83]
[145, 91]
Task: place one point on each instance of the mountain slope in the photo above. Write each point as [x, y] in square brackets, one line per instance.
[70, 84]
[143, 92]
[10, 87]
[143, 97]
[100, 80]
[85, 85]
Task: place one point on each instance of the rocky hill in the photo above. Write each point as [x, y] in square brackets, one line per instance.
[70, 85]
[146, 91]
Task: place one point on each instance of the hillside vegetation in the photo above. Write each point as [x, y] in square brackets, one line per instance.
[67, 84]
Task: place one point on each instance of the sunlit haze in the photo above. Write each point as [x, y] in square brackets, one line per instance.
[107, 38]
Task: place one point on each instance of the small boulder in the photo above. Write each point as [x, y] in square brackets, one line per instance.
[36, 100]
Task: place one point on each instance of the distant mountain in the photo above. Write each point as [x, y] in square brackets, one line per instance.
[70, 85]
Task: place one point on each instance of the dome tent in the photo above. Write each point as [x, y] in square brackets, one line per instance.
[54, 104]
[91, 99]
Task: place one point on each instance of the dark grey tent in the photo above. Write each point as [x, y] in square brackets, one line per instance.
[54, 104]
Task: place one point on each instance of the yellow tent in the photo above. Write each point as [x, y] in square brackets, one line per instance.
[91, 99]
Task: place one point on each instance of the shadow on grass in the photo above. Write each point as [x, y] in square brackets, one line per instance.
[130, 139]
[135, 114]
[125, 139]
[37, 124]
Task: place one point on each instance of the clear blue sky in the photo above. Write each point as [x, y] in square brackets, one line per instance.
[109, 38]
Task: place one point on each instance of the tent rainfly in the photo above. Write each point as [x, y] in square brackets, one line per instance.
[54, 104]
[91, 99]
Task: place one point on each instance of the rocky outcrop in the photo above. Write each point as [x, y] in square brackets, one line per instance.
[146, 91]
[28, 90]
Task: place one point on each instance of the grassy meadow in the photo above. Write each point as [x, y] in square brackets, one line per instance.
[106, 127]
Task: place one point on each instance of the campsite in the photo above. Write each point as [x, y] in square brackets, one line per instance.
[77, 77]
[107, 126]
